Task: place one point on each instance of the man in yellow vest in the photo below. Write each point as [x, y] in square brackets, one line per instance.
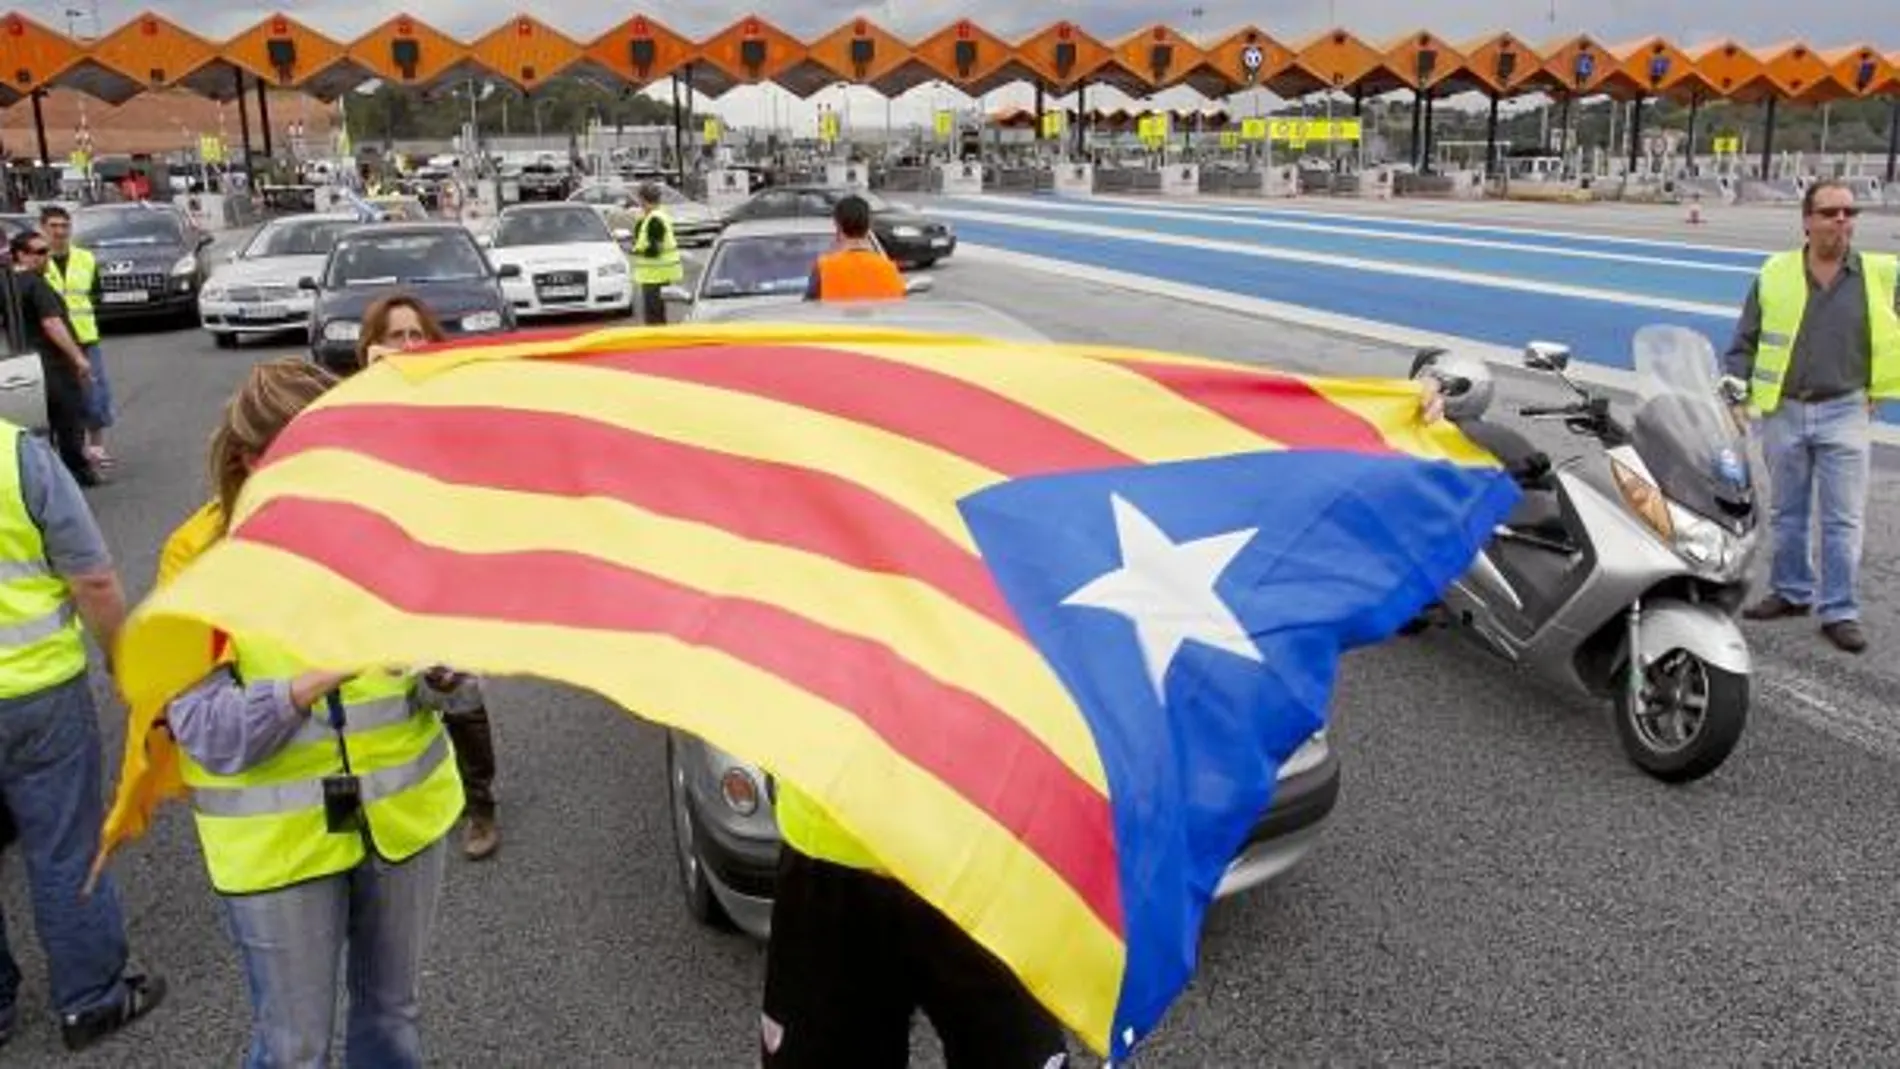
[1817, 348]
[75, 274]
[656, 256]
[57, 581]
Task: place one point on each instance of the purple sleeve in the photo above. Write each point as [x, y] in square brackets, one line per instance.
[228, 727]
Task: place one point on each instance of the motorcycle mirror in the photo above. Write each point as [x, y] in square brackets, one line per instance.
[1547, 356]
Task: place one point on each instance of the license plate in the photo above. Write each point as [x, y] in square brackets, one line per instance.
[939, 243]
[262, 311]
[126, 297]
[558, 292]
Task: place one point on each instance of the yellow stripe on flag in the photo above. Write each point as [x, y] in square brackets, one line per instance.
[929, 837]
[947, 640]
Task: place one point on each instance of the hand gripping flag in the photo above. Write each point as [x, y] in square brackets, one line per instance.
[1036, 624]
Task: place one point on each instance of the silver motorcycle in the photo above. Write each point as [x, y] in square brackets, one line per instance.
[1620, 574]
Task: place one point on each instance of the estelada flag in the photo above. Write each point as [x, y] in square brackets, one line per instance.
[1036, 624]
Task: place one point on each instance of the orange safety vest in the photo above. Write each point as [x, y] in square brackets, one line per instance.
[858, 275]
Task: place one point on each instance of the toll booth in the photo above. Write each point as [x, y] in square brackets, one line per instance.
[727, 189]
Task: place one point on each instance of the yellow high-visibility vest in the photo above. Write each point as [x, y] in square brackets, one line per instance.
[41, 645]
[1782, 291]
[75, 284]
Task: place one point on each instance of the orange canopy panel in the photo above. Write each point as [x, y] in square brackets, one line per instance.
[748, 51]
[1860, 69]
[1150, 60]
[34, 57]
[288, 54]
[1238, 60]
[860, 52]
[406, 51]
[1728, 66]
[149, 52]
[964, 54]
[525, 51]
[1577, 66]
[639, 51]
[1648, 67]
[1062, 56]
[1420, 60]
[1794, 70]
[1332, 60]
[1502, 64]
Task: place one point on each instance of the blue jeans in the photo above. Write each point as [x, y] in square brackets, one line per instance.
[293, 940]
[1819, 451]
[50, 773]
[99, 392]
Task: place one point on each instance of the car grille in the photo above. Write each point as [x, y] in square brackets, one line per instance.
[256, 294]
[122, 283]
[546, 280]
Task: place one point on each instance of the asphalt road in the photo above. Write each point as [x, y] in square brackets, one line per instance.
[1498, 885]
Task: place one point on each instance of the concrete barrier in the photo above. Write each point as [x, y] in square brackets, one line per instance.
[961, 179]
[1375, 184]
[207, 211]
[726, 190]
[1280, 181]
[1181, 180]
[848, 175]
[1075, 179]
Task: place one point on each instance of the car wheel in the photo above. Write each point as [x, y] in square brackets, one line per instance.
[224, 341]
[701, 903]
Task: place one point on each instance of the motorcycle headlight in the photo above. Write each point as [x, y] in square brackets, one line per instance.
[341, 330]
[612, 270]
[477, 322]
[186, 265]
[1706, 545]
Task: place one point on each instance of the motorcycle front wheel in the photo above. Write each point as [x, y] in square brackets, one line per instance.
[1691, 716]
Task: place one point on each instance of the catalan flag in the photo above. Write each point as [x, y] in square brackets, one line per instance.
[1036, 624]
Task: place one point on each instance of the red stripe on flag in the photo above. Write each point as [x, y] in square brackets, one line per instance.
[937, 410]
[571, 456]
[974, 748]
[1274, 406]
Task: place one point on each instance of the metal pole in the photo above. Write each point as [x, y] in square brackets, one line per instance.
[1426, 166]
[1491, 140]
[244, 129]
[679, 135]
[1418, 119]
[46, 154]
[1688, 144]
[1636, 132]
[263, 118]
[1768, 139]
[1893, 139]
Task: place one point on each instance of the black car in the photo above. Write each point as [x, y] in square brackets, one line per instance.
[152, 260]
[908, 236]
[437, 263]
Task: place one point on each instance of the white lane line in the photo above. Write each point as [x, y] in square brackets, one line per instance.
[1233, 219]
[1867, 725]
[1354, 263]
[1313, 319]
[1442, 224]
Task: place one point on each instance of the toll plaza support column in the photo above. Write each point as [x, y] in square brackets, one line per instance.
[1636, 133]
[1418, 128]
[1893, 139]
[1491, 140]
[244, 131]
[1688, 143]
[263, 118]
[46, 154]
[1768, 139]
[1425, 164]
[1082, 121]
[679, 136]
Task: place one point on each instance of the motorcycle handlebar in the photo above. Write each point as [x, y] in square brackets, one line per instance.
[1533, 411]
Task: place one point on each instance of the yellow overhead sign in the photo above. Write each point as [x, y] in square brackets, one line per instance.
[828, 125]
[210, 150]
[1728, 146]
[1052, 124]
[1253, 129]
[1153, 128]
[1229, 139]
[1300, 131]
[712, 130]
[946, 123]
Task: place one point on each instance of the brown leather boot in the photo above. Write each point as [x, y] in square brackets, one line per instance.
[481, 838]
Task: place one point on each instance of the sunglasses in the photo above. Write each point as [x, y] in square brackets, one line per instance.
[37, 250]
[1837, 213]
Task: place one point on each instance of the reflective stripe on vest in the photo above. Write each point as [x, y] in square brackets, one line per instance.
[266, 828]
[75, 284]
[1782, 292]
[41, 645]
[664, 268]
[858, 275]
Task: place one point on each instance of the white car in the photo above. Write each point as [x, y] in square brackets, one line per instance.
[697, 224]
[763, 264]
[570, 262]
[255, 292]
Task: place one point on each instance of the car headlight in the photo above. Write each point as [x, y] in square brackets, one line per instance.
[186, 265]
[612, 270]
[341, 330]
[476, 322]
[211, 293]
[906, 232]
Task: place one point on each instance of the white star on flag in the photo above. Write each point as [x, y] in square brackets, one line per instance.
[1166, 589]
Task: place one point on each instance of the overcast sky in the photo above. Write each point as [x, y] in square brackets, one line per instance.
[1825, 23]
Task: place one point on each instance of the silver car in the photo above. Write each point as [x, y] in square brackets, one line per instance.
[696, 224]
[255, 292]
[762, 264]
[725, 833]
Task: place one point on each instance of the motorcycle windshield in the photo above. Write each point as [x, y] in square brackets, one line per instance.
[1685, 435]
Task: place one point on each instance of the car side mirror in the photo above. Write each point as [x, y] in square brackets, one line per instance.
[919, 284]
[307, 283]
[1546, 356]
[508, 271]
[675, 295]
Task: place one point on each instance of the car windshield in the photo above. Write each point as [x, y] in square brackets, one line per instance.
[764, 266]
[371, 259]
[550, 226]
[122, 228]
[305, 237]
